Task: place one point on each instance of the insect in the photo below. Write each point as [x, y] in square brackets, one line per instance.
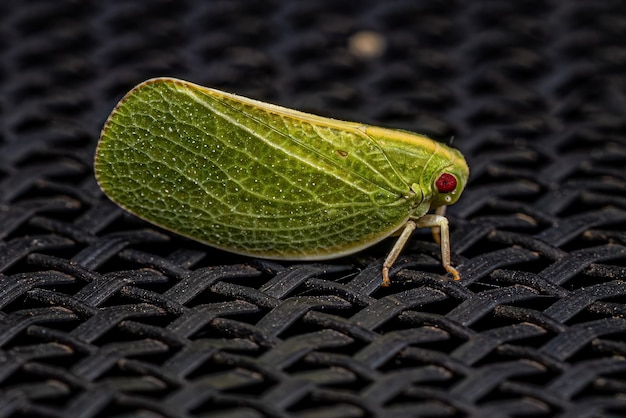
[262, 180]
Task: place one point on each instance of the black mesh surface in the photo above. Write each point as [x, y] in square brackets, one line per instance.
[102, 314]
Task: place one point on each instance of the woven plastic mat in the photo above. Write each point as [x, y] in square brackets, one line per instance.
[102, 314]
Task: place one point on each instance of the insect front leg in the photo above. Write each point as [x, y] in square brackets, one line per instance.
[441, 223]
[441, 211]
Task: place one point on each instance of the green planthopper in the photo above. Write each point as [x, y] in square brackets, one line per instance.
[266, 181]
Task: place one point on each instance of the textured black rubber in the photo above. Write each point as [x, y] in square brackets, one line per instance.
[102, 314]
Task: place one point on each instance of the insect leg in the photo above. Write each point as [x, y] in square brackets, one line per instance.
[441, 222]
[409, 227]
[441, 211]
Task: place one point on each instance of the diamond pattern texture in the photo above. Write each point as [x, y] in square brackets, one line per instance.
[102, 314]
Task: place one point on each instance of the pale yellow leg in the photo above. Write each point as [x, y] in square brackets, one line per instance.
[441, 211]
[436, 222]
[441, 223]
[395, 251]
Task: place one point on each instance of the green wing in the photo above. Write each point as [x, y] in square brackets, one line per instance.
[247, 176]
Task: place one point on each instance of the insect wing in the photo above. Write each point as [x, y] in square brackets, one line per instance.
[247, 176]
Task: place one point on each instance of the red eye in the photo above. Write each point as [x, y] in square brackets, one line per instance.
[446, 183]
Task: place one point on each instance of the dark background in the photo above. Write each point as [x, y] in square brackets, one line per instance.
[102, 314]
